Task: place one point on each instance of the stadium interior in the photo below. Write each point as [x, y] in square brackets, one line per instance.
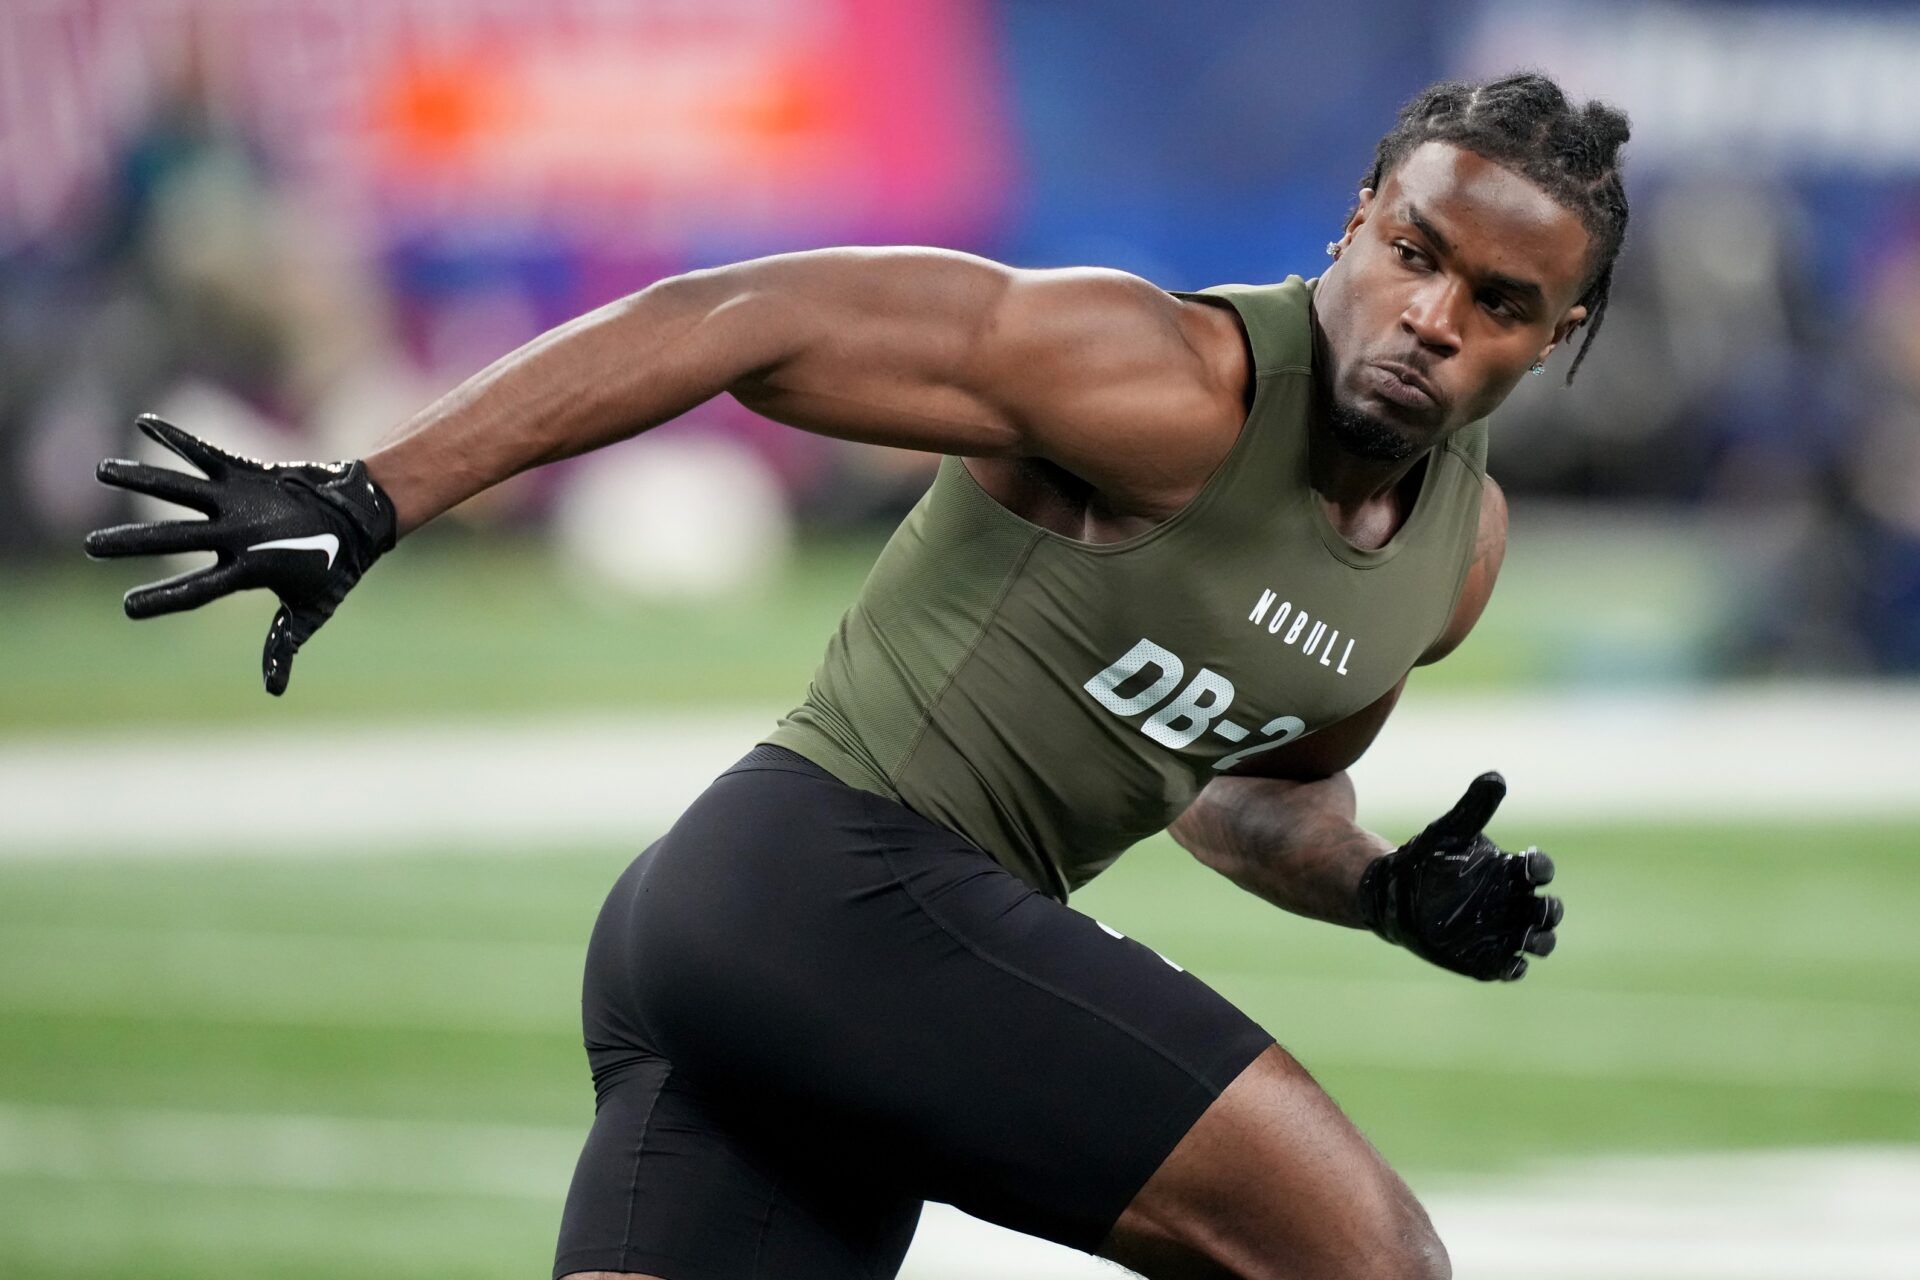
[229, 1046]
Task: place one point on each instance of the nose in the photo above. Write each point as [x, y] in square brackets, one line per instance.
[1432, 315]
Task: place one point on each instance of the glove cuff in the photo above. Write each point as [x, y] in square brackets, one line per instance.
[1376, 898]
[357, 499]
[367, 505]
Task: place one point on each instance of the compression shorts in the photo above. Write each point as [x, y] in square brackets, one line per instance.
[808, 1009]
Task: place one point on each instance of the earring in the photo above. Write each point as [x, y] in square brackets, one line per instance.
[1537, 368]
[1333, 248]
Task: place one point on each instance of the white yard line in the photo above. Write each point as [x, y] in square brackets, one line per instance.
[1762, 1215]
[1756, 753]
[1785, 1215]
[500, 787]
[309, 1153]
[474, 786]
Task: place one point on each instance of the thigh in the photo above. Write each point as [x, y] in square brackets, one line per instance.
[1274, 1181]
[829, 955]
[671, 1184]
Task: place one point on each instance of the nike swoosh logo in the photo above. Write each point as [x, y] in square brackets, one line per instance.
[327, 542]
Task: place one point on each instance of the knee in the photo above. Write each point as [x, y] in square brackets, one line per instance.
[1396, 1246]
[1421, 1257]
[1399, 1244]
[1404, 1248]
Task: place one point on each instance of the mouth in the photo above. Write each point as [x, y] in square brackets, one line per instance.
[1402, 385]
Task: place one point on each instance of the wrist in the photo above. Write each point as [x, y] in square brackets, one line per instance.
[360, 505]
[356, 495]
[408, 492]
[353, 504]
[1373, 899]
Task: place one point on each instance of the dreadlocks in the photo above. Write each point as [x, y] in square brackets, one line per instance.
[1523, 122]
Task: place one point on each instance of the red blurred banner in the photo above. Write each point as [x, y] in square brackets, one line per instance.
[649, 121]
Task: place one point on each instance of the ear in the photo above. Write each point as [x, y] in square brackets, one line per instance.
[1359, 218]
[1575, 317]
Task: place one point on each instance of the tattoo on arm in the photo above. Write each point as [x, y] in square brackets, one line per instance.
[1294, 844]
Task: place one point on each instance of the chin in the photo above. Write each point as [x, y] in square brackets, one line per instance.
[1371, 435]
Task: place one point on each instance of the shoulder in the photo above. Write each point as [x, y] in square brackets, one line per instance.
[1489, 552]
[1100, 315]
[1275, 321]
[1139, 393]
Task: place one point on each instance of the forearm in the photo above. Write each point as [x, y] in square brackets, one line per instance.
[1295, 844]
[607, 375]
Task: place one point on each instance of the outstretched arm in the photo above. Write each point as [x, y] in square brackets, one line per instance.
[1114, 380]
[1095, 370]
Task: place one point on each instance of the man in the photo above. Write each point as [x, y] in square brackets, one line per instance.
[1174, 570]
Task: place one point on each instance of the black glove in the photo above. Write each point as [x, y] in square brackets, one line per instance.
[304, 530]
[1452, 896]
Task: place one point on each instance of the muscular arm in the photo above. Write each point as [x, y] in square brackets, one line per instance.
[1291, 834]
[1097, 371]
[1293, 840]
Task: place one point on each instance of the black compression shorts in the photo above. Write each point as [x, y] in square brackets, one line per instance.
[808, 1009]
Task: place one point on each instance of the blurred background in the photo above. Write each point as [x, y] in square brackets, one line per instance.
[251, 1022]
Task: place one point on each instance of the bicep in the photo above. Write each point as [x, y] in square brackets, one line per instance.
[1307, 776]
[929, 349]
[876, 345]
[1327, 751]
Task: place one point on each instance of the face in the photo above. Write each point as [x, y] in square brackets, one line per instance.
[1452, 280]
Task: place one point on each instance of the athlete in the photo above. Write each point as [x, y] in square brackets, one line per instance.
[1180, 555]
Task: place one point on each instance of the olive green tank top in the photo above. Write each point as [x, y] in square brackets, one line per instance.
[1055, 701]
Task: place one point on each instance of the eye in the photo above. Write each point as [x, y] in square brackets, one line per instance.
[1407, 253]
[1499, 305]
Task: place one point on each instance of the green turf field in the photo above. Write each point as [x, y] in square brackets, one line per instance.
[311, 1065]
[457, 625]
[1718, 988]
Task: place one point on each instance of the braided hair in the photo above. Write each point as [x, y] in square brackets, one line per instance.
[1523, 122]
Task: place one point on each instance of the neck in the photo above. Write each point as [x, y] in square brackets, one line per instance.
[1366, 499]
[1344, 479]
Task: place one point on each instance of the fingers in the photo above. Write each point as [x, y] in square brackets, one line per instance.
[1515, 970]
[187, 590]
[195, 450]
[1552, 912]
[159, 482]
[1539, 914]
[1529, 871]
[284, 637]
[1474, 810]
[165, 538]
[1538, 867]
[276, 658]
[1539, 938]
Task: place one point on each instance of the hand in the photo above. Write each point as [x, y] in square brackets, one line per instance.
[1452, 896]
[306, 531]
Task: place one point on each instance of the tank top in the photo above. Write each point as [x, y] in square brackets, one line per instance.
[1054, 701]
